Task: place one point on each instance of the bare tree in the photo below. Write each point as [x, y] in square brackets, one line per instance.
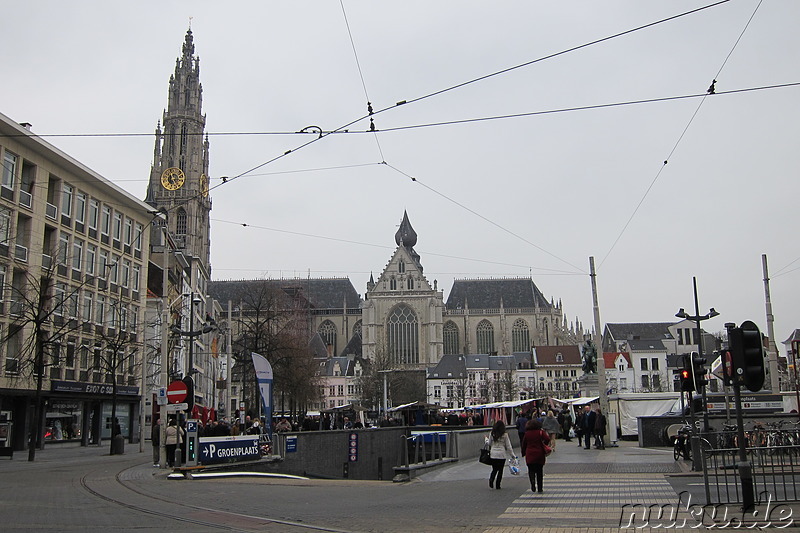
[43, 312]
[117, 353]
[274, 322]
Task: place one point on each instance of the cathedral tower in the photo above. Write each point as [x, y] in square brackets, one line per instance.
[179, 175]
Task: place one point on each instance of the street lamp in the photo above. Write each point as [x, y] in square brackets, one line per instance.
[208, 326]
[697, 318]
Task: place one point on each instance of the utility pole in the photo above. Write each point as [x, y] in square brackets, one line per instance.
[598, 343]
[228, 355]
[772, 354]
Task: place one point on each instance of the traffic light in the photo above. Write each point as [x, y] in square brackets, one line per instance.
[747, 355]
[685, 374]
[698, 371]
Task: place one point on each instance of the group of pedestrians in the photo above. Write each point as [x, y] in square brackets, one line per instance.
[591, 423]
[536, 434]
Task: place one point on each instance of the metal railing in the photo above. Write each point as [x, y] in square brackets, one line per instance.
[428, 446]
[775, 471]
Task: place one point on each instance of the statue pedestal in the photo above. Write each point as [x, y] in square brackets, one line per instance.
[589, 385]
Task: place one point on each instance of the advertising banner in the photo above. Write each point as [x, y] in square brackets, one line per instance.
[264, 378]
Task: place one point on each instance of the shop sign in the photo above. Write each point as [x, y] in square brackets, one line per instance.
[227, 449]
[78, 387]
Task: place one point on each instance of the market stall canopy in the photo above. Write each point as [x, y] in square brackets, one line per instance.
[413, 405]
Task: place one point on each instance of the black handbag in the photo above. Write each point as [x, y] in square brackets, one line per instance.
[485, 458]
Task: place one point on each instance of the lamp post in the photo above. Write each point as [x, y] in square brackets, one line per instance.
[697, 318]
[207, 327]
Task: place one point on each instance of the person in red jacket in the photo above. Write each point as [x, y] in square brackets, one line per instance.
[533, 449]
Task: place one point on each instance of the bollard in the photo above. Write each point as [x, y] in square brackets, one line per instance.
[117, 445]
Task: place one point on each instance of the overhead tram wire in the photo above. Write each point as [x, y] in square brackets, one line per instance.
[381, 246]
[323, 134]
[588, 107]
[711, 90]
[363, 83]
[495, 224]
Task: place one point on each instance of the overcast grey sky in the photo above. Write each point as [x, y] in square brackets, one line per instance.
[530, 195]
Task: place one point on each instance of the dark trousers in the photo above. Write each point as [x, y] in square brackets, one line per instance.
[535, 474]
[497, 472]
[171, 454]
[588, 436]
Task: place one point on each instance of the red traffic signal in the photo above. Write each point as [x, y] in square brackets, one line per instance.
[685, 374]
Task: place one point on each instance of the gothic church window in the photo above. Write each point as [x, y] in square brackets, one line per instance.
[357, 329]
[180, 226]
[410, 283]
[402, 330]
[328, 333]
[401, 266]
[520, 336]
[392, 284]
[450, 338]
[485, 337]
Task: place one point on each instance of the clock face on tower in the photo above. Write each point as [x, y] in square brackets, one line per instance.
[172, 179]
[204, 185]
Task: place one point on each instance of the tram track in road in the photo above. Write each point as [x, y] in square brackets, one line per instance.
[212, 518]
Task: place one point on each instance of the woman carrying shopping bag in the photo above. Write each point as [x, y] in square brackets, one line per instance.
[499, 449]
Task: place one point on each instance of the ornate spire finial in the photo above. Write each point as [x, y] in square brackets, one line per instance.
[405, 236]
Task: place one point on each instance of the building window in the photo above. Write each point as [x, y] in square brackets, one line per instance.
[559, 357]
[87, 307]
[450, 391]
[66, 200]
[117, 226]
[63, 248]
[656, 382]
[328, 333]
[450, 338]
[5, 225]
[128, 231]
[100, 308]
[137, 239]
[410, 283]
[401, 266]
[135, 278]
[622, 367]
[437, 391]
[9, 169]
[126, 273]
[392, 284]
[643, 363]
[94, 213]
[103, 266]
[520, 336]
[654, 363]
[91, 258]
[485, 332]
[357, 329]
[80, 207]
[623, 383]
[105, 221]
[403, 336]
[645, 381]
[180, 225]
[77, 254]
[549, 373]
[341, 390]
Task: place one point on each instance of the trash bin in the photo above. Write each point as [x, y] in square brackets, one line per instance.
[117, 445]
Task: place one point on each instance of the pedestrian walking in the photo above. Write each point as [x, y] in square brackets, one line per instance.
[587, 426]
[155, 440]
[600, 430]
[566, 423]
[499, 449]
[522, 421]
[550, 425]
[533, 450]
